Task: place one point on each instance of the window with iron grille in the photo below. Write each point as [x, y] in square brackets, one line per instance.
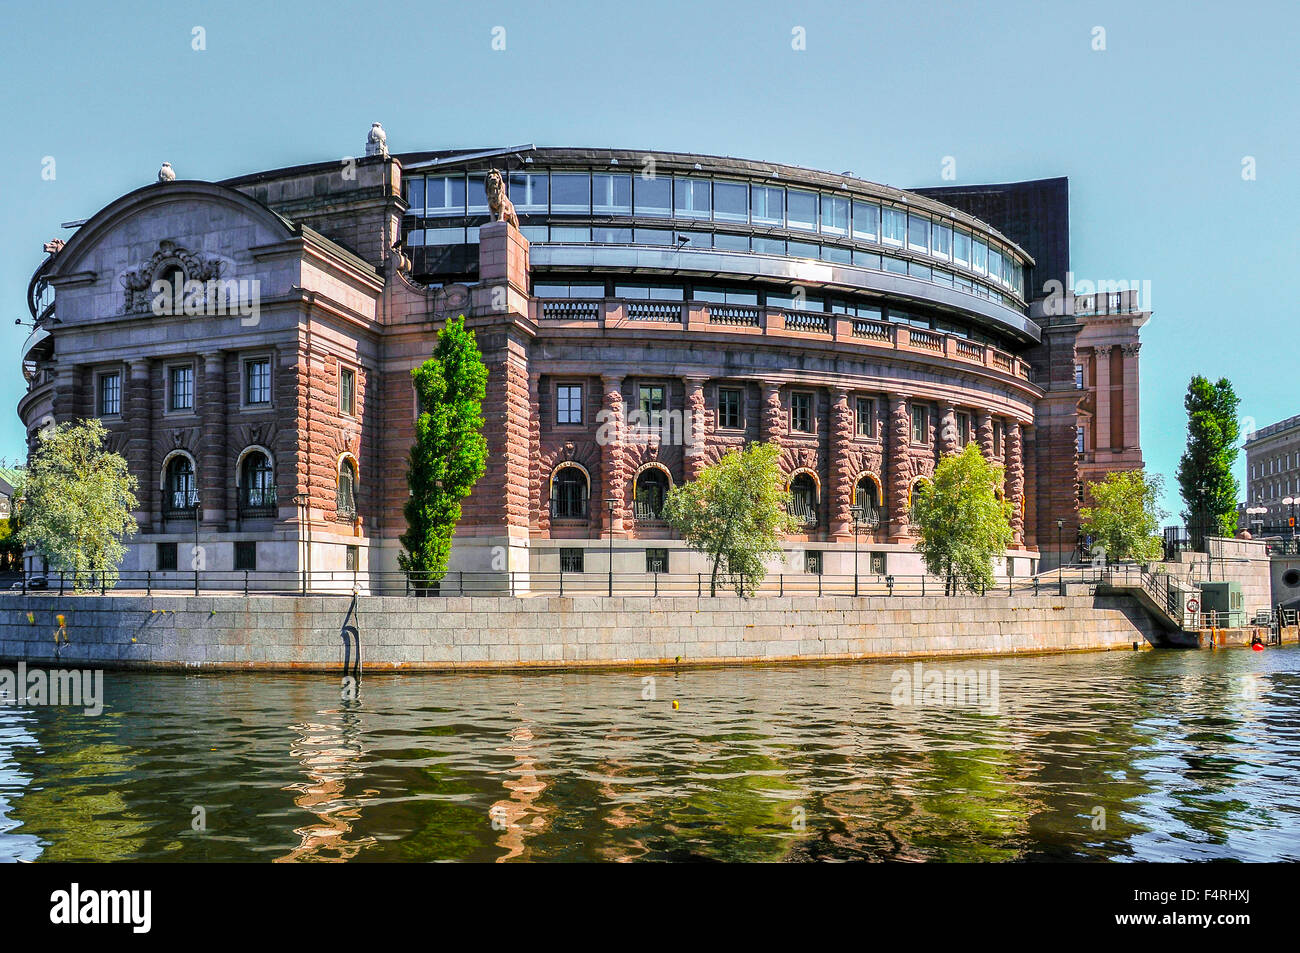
[245, 554]
[351, 559]
[801, 412]
[729, 412]
[656, 560]
[347, 491]
[110, 394]
[569, 494]
[878, 563]
[571, 560]
[166, 555]
[812, 562]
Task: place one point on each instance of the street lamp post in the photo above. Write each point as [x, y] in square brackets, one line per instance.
[857, 530]
[612, 504]
[195, 555]
[301, 500]
[1060, 558]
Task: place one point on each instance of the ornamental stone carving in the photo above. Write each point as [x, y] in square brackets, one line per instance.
[900, 463]
[137, 284]
[499, 204]
[613, 465]
[842, 465]
[376, 141]
[1016, 481]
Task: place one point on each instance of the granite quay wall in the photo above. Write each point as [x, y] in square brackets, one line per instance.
[400, 633]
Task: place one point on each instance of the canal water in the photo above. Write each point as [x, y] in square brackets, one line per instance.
[1114, 756]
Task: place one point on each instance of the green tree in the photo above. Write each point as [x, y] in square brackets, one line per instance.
[962, 524]
[1205, 477]
[734, 512]
[450, 452]
[78, 498]
[1124, 520]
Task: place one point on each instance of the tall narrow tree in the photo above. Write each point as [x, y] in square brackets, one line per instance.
[1205, 477]
[450, 452]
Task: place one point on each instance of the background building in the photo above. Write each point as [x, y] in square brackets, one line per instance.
[644, 300]
[1272, 475]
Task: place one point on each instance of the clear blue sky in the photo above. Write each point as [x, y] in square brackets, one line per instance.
[1151, 131]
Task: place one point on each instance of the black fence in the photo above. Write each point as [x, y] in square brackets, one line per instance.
[345, 582]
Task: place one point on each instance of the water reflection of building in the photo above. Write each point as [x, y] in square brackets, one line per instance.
[519, 816]
[331, 756]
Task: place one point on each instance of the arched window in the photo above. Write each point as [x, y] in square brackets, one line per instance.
[347, 492]
[257, 485]
[913, 495]
[569, 492]
[650, 492]
[180, 494]
[803, 499]
[866, 497]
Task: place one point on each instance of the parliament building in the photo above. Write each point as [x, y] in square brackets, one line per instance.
[640, 314]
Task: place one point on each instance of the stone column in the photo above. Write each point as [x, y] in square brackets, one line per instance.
[65, 397]
[139, 440]
[695, 427]
[1132, 420]
[1101, 422]
[899, 466]
[535, 514]
[1016, 482]
[612, 465]
[772, 426]
[948, 430]
[986, 435]
[214, 482]
[841, 467]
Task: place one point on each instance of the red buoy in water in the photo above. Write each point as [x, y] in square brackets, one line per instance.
[1257, 647]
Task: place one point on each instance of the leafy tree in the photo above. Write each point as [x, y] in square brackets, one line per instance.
[734, 512]
[450, 452]
[1124, 519]
[77, 505]
[961, 522]
[1205, 471]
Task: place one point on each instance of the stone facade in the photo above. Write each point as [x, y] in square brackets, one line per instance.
[858, 405]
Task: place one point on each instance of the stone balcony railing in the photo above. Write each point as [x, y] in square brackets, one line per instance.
[747, 319]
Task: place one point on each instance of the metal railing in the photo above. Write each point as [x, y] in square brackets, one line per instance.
[344, 582]
[258, 502]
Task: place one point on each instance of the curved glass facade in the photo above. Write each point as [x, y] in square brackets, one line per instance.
[727, 213]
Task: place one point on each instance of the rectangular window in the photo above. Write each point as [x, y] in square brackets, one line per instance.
[529, 191]
[877, 564]
[351, 558]
[611, 194]
[866, 417]
[568, 404]
[729, 409]
[812, 562]
[166, 554]
[445, 195]
[571, 560]
[866, 221]
[769, 246]
[768, 204]
[730, 202]
[729, 242]
[1078, 440]
[801, 209]
[654, 197]
[918, 233]
[651, 401]
[894, 226]
[245, 554]
[415, 195]
[979, 256]
[920, 423]
[997, 438]
[801, 412]
[257, 381]
[835, 215]
[180, 387]
[656, 560]
[1078, 377]
[110, 393]
[963, 430]
[570, 192]
[691, 198]
[961, 247]
[347, 391]
[612, 236]
[995, 264]
[941, 240]
[654, 236]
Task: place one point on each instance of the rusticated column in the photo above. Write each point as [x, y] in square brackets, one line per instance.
[986, 435]
[948, 430]
[841, 468]
[695, 427]
[900, 467]
[139, 441]
[213, 477]
[612, 464]
[1016, 481]
[535, 449]
[773, 424]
